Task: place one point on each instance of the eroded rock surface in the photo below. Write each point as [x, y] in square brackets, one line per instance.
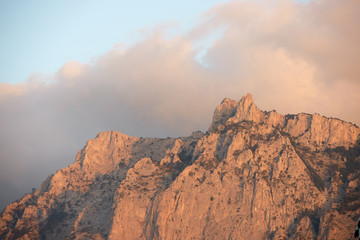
[253, 175]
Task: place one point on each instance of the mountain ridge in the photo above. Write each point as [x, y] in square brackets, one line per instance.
[254, 174]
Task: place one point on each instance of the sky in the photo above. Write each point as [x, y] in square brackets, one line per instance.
[71, 69]
[39, 36]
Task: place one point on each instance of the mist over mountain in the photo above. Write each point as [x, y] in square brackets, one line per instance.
[253, 175]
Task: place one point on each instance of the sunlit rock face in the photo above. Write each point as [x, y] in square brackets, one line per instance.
[253, 175]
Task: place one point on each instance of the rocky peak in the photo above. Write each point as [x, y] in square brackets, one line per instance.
[100, 155]
[312, 129]
[223, 112]
[246, 102]
[247, 110]
[231, 111]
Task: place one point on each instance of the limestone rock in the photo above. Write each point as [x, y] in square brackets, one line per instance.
[253, 175]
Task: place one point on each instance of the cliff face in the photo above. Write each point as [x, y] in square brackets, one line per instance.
[253, 175]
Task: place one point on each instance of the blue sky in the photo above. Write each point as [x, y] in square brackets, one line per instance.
[39, 36]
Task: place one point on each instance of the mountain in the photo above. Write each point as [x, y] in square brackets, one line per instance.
[253, 175]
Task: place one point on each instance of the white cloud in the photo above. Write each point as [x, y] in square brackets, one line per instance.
[71, 70]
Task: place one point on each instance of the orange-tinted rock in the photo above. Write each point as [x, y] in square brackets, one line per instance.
[254, 175]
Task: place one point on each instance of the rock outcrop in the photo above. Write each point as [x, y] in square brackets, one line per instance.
[253, 175]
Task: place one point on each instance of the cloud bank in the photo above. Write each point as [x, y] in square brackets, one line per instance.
[292, 57]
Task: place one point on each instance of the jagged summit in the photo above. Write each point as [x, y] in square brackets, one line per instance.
[253, 175]
[316, 128]
[231, 110]
[246, 102]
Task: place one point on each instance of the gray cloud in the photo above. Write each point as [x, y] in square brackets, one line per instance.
[291, 57]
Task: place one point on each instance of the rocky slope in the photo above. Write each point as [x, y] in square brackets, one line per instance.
[253, 175]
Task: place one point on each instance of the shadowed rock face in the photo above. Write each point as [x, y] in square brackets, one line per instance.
[253, 175]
